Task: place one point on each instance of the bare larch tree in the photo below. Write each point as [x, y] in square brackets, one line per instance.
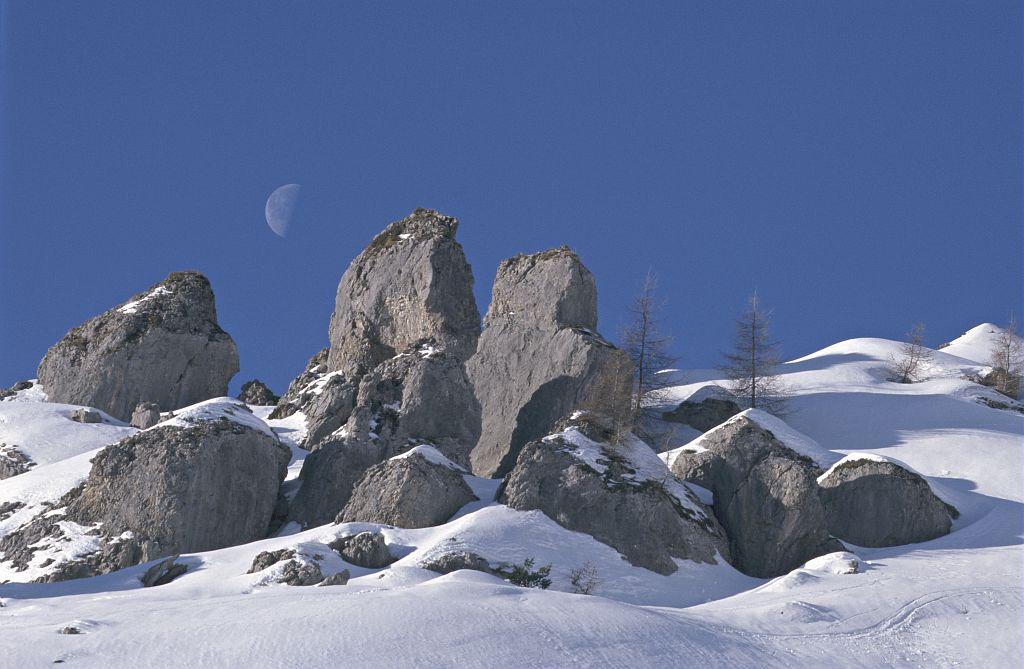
[1007, 360]
[908, 366]
[751, 366]
[647, 346]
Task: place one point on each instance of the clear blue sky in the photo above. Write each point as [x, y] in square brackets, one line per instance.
[858, 163]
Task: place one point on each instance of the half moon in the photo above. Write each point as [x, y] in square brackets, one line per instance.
[280, 208]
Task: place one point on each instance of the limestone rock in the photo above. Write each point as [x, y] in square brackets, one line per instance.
[13, 461]
[872, 501]
[537, 356]
[619, 493]
[163, 346]
[146, 414]
[163, 572]
[419, 396]
[766, 496]
[420, 488]
[366, 549]
[257, 393]
[340, 578]
[449, 562]
[265, 559]
[411, 283]
[86, 416]
[294, 398]
[707, 408]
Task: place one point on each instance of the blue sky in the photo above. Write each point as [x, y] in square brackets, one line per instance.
[857, 163]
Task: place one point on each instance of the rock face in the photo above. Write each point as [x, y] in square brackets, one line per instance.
[146, 414]
[420, 488]
[257, 393]
[709, 407]
[294, 397]
[86, 416]
[538, 353]
[620, 494]
[13, 461]
[420, 396]
[173, 489]
[327, 404]
[411, 283]
[162, 346]
[874, 502]
[766, 497]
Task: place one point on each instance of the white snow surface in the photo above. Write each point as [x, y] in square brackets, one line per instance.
[216, 409]
[952, 601]
[430, 454]
[132, 307]
[975, 344]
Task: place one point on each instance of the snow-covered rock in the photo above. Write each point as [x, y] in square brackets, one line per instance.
[709, 406]
[164, 346]
[619, 493]
[762, 475]
[872, 500]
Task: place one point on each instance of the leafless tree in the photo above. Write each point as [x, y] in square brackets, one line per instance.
[1007, 360]
[908, 366]
[610, 395]
[647, 346]
[751, 366]
[584, 579]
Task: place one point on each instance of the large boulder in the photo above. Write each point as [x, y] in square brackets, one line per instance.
[419, 396]
[13, 461]
[620, 493]
[257, 393]
[163, 345]
[538, 355]
[145, 415]
[207, 479]
[765, 492]
[296, 395]
[411, 283]
[420, 488]
[708, 407]
[874, 501]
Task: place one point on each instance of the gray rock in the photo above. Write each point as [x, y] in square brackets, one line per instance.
[327, 407]
[410, 491]
[411, 283]
[146, 415]
[366, 549]
[163, 346]
[293, 399]
[165, 491]
[766, 497]
[340, 578]
[705, 412]
[649, 520]
[451, 562]
[266, 559]
[163, 573]
[257, 393]
[300, 573]
[870, 503]
[419, 396]
[538, 354]
[13, 461]
[86, 416]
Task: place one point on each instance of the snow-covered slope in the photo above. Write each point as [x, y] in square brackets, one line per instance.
[953, 601]
[975, 344]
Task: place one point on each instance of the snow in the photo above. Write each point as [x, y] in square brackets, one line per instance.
[975, 344]
[952, 601]
[132, 307]
[430, 454]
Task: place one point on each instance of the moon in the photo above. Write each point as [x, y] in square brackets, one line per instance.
[280, 208]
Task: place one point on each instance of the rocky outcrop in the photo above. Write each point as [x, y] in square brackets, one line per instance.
[765, 495]
[411, 283]
[86, 416]
[327, 405]
[13, 461]
[295, 397]
[257, 393]
[162, 346]
[872, 501]
[619, 493]
[707, 408]
[366, 549]
[420, 396]
[420, 488]
[538, 354]
[162, 573]
[146, 415]
[446, 563]
[206, 480]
